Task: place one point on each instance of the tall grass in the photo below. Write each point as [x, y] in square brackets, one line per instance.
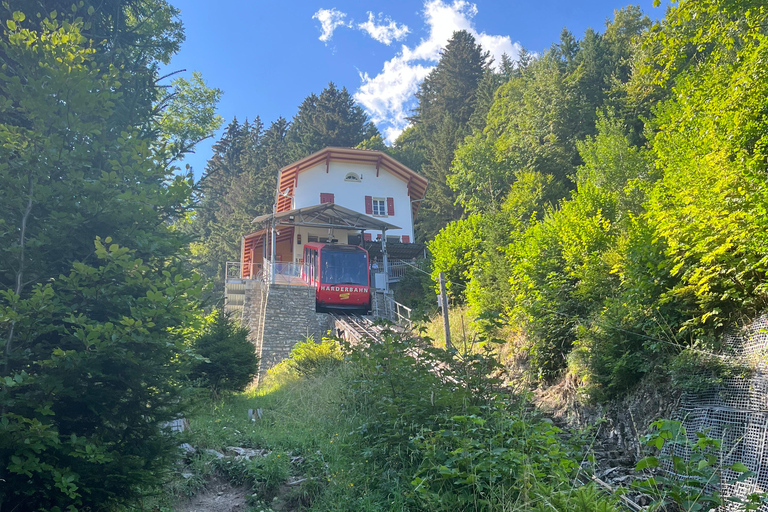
[379, 431]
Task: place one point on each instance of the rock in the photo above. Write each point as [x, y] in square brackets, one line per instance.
[187, 448]
[607, 472]
[187, 475]
[177, 425]
[216, 454]
[248, 453]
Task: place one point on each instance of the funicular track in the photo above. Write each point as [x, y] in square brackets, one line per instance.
[356, 328]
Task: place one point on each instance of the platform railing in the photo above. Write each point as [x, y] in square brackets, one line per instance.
[238, 270]
[402, 314]
[284, 273]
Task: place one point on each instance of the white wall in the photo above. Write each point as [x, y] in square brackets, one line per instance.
[351, 195]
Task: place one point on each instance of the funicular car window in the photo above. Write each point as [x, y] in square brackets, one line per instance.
[344, 267]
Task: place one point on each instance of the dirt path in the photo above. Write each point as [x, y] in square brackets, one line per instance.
[218, 496]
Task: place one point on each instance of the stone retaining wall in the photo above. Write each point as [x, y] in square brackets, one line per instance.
[279, 316]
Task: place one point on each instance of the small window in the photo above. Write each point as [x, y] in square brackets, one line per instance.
[353, 177]
[379, 207]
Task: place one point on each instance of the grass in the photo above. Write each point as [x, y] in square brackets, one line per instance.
[304, 419]
[465, 335]
[461, 324]
[311, 427]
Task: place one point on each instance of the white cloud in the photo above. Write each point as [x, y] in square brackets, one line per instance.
[330, 20]
[388, 97]
[386, 32]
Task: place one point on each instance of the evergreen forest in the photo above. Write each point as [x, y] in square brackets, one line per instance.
[599, 209]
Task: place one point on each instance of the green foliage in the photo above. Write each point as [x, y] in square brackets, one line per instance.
[416, 289]
[309, 359]
[480, 175]
[266, 474]
[454, 250]
[329, 119]
[93, 373]
[230, 361]
[438, 417]
[238, 184]
[190, 115]
[531, 194]
[709, 207]
[501, 455]
[93, 346]
[447, 101]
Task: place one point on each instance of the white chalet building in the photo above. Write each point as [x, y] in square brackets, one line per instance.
[376, 194]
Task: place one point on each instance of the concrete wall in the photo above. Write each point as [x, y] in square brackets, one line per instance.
[279, 316]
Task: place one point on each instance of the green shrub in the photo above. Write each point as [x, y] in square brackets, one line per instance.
[497, 457]
[438, 431]
[97, 369]
[454, 251]
[308, 359]
[231, 361]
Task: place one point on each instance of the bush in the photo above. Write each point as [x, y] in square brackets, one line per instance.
[439, 431]
[454, 251]
[95, 371]
[231, 361]
[309, 359]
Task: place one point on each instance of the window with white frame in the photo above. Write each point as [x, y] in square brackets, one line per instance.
[379, 207]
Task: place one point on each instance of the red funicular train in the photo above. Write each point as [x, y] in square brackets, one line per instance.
[340, 274]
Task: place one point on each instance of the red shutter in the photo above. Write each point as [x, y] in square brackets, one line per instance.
[326, 198]
[367, 237]
[390, 206]
[368, 205]
[406, 239]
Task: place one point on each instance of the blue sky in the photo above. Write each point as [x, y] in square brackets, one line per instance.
[268, 55]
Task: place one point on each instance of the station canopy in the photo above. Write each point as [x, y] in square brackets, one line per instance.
[327, 215]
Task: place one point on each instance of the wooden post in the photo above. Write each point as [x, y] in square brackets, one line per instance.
[444, 305]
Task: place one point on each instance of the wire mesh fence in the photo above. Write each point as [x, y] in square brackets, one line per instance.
[736, 412]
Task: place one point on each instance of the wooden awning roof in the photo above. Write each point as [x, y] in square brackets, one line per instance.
[417, 184]
[327, 215]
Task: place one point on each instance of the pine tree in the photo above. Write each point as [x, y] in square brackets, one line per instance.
[330, 119]
[447, 100]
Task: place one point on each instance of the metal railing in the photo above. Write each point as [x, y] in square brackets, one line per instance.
[237, 270]
[397, 269]
[385, 306]
[284, 273]
[402, 314]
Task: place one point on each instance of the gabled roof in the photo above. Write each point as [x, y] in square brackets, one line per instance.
[324, 215]
[417, 184]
